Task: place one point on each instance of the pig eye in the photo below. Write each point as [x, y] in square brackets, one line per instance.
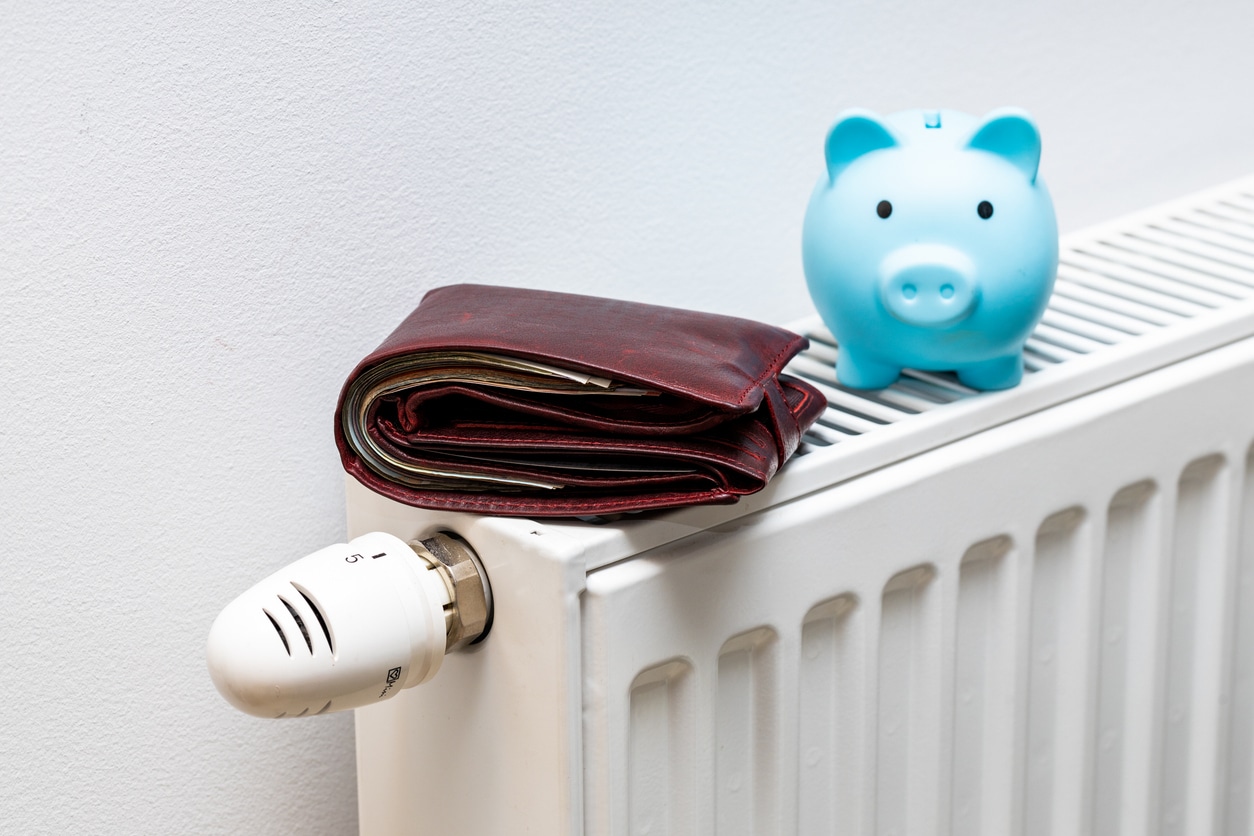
[885, 209]
[985, 209]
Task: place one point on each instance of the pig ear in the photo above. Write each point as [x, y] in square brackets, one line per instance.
[855, 133]
[1010, 133]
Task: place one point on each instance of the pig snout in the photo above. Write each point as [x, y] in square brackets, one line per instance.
[928, 285]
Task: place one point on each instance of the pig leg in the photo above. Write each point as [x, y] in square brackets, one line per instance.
[858, 371]
[999, 373]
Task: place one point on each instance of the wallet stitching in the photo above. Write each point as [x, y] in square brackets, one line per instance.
[772, 368]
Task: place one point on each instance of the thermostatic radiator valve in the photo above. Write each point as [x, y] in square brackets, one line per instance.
[349, 625]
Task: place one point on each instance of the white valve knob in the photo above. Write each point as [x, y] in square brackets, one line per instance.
[349, 625]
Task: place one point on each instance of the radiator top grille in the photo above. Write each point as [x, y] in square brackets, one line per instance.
[1134, 295]
[1138, 282]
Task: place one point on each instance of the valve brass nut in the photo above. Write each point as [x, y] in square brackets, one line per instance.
[470, 595]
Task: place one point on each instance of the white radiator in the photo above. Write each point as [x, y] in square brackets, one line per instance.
[1025, 612]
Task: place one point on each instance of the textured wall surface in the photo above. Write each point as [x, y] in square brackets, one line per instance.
[210, 211]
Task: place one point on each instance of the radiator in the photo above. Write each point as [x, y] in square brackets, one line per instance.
[1024, 612]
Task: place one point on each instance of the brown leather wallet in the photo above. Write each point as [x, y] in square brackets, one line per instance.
[517, 402]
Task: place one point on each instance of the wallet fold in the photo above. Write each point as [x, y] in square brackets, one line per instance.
[533, 403]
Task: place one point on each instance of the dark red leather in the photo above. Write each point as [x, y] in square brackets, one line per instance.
[724, 411]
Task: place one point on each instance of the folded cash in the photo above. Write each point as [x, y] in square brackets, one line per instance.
[477, 368]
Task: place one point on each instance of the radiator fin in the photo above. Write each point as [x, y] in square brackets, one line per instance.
[906, 727]
[1055, 699]
[1194, 640]
[746, 774]
[1238, 818]
[982, 766]
[1195, 238]
[1218, 217]
[1131, 561]
[1188, 298]
[662, 757]
[832, 720]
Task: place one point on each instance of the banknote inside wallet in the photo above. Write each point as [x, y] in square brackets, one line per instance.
[413, 373]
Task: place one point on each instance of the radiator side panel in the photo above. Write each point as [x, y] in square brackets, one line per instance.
[492, 744]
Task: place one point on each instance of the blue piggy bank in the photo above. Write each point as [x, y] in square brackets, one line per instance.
[931, 244]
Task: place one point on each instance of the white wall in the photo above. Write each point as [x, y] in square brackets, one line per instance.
[210, 211]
